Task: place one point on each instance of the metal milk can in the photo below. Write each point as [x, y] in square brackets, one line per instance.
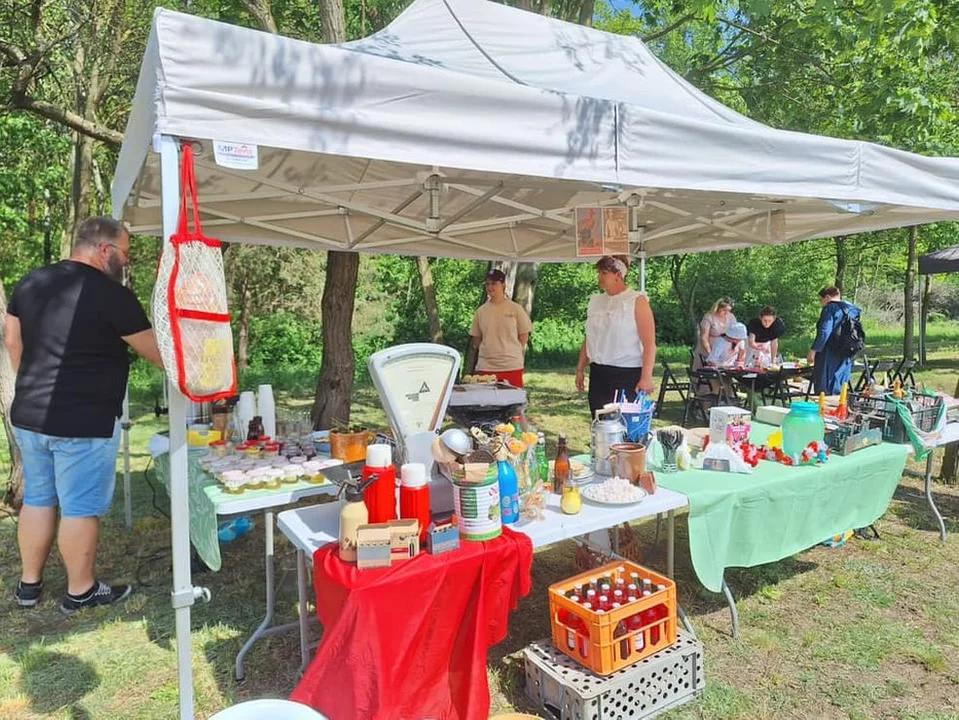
[608, 429]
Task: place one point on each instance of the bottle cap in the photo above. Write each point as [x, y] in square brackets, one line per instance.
[379, 456]
[413, 475]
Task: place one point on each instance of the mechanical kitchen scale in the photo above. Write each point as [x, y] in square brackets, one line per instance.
[415, 382]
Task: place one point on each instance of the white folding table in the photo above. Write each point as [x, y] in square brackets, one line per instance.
[949, 435]
[311, 528]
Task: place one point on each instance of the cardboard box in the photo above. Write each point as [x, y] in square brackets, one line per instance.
[730, 425]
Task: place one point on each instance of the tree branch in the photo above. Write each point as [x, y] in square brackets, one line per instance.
[668, 29]
[70, 119]
[763, 36]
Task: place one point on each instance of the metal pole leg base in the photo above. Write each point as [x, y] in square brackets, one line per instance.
[733, 613]
[301, 610]
[266, 628]
[685, 620]
[929, 499]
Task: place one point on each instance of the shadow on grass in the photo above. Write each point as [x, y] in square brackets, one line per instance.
[530, 621]
[911, 507]
[54, 680]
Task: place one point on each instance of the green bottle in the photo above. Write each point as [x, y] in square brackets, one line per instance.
[542, 464]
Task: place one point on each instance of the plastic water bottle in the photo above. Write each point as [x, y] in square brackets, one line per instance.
[508, 492]
[235, 528]
[266, 406]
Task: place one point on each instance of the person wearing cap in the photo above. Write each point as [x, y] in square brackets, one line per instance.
[500, 330]
[729, 349]
[764, 333]
[714, 323]
[620, 343]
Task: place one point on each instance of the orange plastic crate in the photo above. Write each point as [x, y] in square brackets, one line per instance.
[597, 645]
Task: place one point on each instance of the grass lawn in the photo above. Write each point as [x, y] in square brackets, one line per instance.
[864, 631]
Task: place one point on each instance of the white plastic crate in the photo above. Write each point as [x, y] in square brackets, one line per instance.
[563, 689]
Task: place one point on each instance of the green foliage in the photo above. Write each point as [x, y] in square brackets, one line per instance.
[284, 340]
[33, 179]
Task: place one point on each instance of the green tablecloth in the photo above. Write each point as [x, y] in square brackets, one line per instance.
[206, 496]
[777, 511]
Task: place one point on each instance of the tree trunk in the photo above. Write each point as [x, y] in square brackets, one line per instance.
[429, 297]
[262, 13]
[334, 387]
[586, 11]
[332, 21]
[243, 320]
[923, 317]
[842, 260]
[524, 289]
[687, 303]
[908, 340]
[79, 202]
[14, 493]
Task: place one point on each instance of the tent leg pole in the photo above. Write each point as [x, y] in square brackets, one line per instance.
[125, 426]
[183, 595]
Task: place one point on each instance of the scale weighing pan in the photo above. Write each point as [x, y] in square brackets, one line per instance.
[414, 382]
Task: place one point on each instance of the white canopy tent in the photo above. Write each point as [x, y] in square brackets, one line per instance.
[471, 129]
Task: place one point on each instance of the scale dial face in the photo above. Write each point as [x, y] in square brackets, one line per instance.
[415, 387]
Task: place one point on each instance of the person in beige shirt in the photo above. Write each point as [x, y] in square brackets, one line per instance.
[500, 330]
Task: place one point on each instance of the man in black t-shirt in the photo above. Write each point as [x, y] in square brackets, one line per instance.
[764, 333]
[68, 328]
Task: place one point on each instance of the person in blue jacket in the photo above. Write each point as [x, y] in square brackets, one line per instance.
[831, 369]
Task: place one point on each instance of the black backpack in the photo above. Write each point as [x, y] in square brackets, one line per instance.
[849, 338]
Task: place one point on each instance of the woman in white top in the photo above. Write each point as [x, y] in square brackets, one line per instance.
[620, 344]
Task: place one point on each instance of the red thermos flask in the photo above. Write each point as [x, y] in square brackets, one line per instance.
[415, 496]
[380, 496]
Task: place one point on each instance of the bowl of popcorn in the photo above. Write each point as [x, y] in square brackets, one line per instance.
[614, 491]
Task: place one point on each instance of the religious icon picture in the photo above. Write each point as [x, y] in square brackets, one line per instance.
[615, 231]
[589, 232]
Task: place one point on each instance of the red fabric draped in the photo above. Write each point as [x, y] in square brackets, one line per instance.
[409, 642]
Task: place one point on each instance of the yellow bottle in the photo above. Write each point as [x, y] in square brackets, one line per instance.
[572, 501]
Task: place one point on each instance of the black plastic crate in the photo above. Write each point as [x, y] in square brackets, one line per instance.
[924, 411]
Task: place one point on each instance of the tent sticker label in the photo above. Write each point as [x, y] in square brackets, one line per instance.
[239, 156]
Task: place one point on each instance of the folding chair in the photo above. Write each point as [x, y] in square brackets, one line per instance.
[903, 373]
[783, 392]
[883, 371]
[719, 395]
[866, 377]
[669, 383]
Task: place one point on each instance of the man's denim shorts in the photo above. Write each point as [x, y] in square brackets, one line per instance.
[78, 474]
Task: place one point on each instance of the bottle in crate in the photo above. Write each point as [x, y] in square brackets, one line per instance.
[617, 630]
[621, 630]
[571, 622]
[584, 633]
[635, 624]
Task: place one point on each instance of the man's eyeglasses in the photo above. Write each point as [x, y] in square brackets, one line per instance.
[124, 252]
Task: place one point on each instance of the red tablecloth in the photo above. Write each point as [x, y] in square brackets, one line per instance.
[409, 642]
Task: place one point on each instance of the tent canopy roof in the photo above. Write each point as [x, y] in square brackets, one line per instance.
[940, 261]
[513, 119]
